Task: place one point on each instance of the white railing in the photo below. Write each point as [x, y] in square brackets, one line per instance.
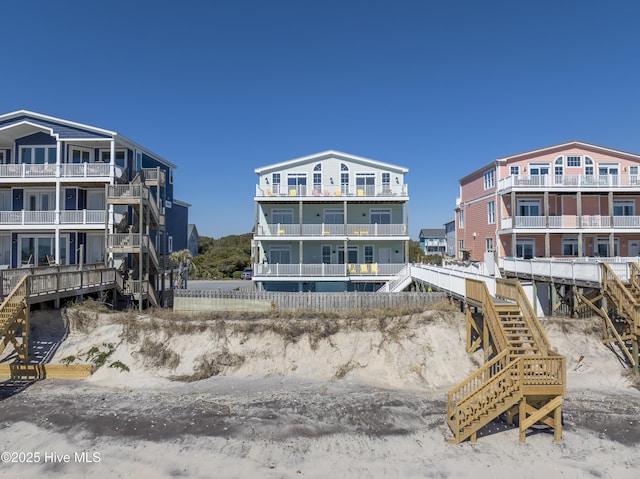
[127, 191]
[278, 229]
[581, 270]
[332, 190]
[570, 181]
[123, 240]
[83, 217]
[84, 170]
[326, 270]
[571, 221]
[450, 280]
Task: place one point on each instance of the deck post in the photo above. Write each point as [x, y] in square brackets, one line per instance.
[634, 352]
[522, 418]
[557, 424]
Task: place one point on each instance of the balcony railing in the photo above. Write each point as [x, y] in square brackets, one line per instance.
[329, 190]
[80, 217]
[571, 221]
[327, 270]
[67, 170]
[276, 229]
[570, 181]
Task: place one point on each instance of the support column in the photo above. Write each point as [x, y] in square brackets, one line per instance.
[611, 236]
[522, 416]
[56, 241]
[634, 352]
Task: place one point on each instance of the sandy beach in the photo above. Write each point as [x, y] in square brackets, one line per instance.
[352, 399]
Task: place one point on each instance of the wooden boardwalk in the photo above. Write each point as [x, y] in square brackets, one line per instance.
[22, 288]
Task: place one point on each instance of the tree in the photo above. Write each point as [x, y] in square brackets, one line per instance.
[184, 260]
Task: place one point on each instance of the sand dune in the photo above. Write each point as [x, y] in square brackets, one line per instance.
[287, 398]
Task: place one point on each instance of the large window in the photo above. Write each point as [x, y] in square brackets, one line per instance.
[40, 200]
[297, 183]
[121, 157]
[386, 182]
[624, 207]
[528, 207]
[38, 155]
[334, 217]
[282, 216]
[280, 255]
[326, 254]
[489, 179]
[525, 248]
[79, 155]
[317, 178]
[588, 166]
[381, 217]
[491, 212]
[461, 219]
[368, 254]
[365, 184]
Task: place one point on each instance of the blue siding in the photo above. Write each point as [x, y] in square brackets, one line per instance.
[18, 199]
[39, 138]
[177, 225]
[63, 131]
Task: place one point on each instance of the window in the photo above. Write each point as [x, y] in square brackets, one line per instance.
[344, 179]
[2, 157]
[297, 182]
[280, 255]
[334, 217]
[633, 175]
[386, 182]
[365, 184]
[460, 248]
[171, 175]
[489, 179]
[95, 200]
[528, 207]
[40, 200]
[317, 177]
[381, 217]
[461, 219]
[624, 207]
[525, 249]
[558, 167]
[6, 203]
[326, 254]
[121, 156]
[368, 254]
[514, 170]
[170, 244]
[284, 217]
[489, 245]
[275, 182]
[574, 161]
[138, 164]
[38, 155]
[588, 166]
[491, 212]
[79, 155]
[570, 247]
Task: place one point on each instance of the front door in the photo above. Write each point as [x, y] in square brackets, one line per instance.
[384, 255]
[634, 248]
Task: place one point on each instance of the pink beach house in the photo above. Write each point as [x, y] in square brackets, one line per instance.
[569, 200]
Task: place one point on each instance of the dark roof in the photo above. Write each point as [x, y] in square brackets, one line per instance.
[432, 233]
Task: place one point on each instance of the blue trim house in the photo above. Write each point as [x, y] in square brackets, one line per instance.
[54, 175]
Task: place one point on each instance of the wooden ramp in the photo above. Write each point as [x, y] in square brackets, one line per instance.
[521, 377]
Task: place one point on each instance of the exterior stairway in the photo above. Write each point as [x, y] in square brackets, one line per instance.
[521, 377]
[145, 197]
[623, 300]
[14, 315]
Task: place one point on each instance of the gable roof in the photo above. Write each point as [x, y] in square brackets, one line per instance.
[571, 144]
[69, 130]
[433, 233]
[329, 154]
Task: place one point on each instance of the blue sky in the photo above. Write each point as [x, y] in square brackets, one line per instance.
[222, 87]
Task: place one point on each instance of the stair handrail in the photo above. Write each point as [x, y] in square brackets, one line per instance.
[505, 382]
[20, 289]
[477, 290]
[634, 274]
[621, 296]
[512, 289]
[146, 240]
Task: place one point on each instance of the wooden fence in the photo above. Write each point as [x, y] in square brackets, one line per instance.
[217, 300]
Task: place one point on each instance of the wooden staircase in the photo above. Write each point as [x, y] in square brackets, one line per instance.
[521, 376]
[14, 316]
[624, 304]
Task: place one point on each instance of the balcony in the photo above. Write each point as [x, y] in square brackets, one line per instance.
[571, 222]
[48, 218]
[569, 182]
[328, 230]
[332, 191]
[25, 171]
[381, 271]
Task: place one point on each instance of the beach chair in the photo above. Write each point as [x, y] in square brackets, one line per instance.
[337, 193]
[374, 268]
[364, 268]
[360, 192]
[293, 193]
[51, 261]
[352, 268]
